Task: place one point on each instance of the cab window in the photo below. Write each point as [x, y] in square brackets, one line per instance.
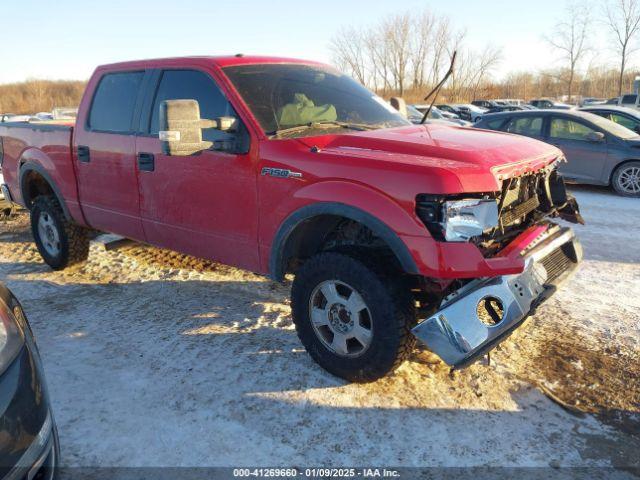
[114, 102]
[196, 85]
[565, 129]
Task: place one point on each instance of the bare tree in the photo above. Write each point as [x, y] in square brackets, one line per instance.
[348, 48]
[570, 39]
[623, 20]
[398, 32]
[484, 63]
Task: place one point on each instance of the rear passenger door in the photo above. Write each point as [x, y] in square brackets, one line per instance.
[204, 204]
[585, 159]
[105, 155]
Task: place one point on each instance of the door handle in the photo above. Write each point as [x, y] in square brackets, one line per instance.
[146, 162]
[84, 154]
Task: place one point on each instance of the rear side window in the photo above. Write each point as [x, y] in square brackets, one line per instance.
[625, 121]
[629, 99]
[565, 129]
[196, 85]
[494, 124]
[114, 102]
[529, 126]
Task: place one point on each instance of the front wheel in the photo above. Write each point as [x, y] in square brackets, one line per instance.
[626, 179]
[354, 323]
[60, 242]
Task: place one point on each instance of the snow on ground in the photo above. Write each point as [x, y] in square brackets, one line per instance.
[159, 359]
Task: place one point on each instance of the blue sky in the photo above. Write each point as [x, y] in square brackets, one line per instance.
[67, 39]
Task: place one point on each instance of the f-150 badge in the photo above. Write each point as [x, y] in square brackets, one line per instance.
[280, 173]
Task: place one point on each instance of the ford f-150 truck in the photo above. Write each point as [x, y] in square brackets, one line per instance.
[392, 231]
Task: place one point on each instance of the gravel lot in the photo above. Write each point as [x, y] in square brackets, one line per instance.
[159, 359]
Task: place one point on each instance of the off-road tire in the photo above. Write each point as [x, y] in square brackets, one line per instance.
[74, 240]
[616, 177]
[389, 301]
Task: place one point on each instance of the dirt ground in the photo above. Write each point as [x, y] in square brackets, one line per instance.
[158, 359]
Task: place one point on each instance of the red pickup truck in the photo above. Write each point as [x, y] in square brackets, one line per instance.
[392, 231]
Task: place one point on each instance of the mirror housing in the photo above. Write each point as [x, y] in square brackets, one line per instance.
[595, 137]
[181, 127]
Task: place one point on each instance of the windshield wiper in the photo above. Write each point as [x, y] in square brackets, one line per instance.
[437, 88]
[327, 123]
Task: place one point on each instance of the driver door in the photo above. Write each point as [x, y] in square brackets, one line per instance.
[203, 204]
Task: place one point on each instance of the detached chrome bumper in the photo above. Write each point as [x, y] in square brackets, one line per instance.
[462, 330]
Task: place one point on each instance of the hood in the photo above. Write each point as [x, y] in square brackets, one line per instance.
[480, 159]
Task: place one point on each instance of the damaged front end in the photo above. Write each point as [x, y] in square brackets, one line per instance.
[476, 315]
[472, 320]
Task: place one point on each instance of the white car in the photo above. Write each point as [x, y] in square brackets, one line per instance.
[474, 113]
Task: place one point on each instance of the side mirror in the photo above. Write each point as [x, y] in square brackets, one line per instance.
[399, 104]
[595, 137]
[181, 127]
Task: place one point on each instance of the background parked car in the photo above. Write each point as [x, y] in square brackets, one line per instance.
[510, 101]
[29, 441]
[612, 101]
[470, 112]
[546, 103]
[435, 116]
[488, 104]
[450, 110]
[592, 101]
[598, 151]
[448, 115]
[627, 117]
[630, 100]
[505, 108]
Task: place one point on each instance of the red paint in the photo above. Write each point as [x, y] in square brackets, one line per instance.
[217, 205]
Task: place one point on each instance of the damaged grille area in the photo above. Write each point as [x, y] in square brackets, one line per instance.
[520, 196]
[522, 202]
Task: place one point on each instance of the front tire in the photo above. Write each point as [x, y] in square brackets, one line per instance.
[60, 242]
[354, 323]
[626, 179]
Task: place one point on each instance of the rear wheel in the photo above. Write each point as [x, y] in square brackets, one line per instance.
[60, 242]
[353, 322]
[626, 179]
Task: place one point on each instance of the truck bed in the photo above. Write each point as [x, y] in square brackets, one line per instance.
[45, 144]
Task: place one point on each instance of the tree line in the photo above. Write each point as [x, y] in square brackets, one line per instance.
[406, 54]
[35, 96]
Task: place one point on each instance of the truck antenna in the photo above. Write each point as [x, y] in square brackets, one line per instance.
[437, 88]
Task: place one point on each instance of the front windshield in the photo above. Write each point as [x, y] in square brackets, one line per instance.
[285, 96]
[612, 127]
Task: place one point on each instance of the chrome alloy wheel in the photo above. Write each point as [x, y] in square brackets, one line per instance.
[629, 179]
[341, 318]
[49, 234]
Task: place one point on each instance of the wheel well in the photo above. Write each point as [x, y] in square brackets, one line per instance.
[329, 232]
[613, 171]
[34, 185]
